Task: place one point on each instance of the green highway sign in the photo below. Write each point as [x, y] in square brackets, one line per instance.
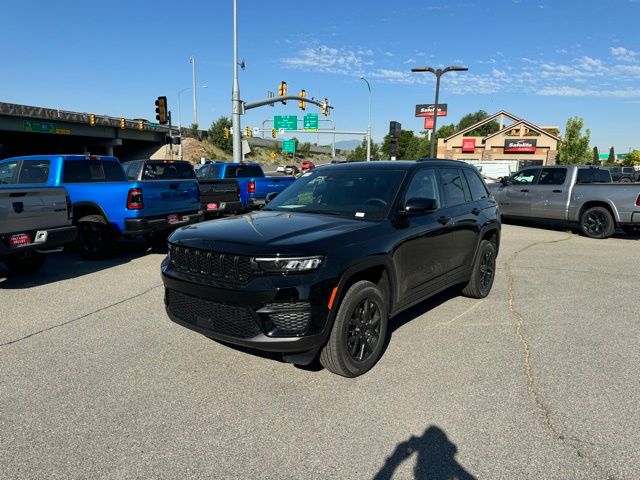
[289, 146]
[38, 127]
[288, 122]
[311, 121]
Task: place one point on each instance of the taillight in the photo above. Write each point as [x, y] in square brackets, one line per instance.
[638, 201]
[69, 208]
[134, 199]
[251, 187]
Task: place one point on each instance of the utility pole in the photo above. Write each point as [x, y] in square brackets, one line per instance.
[369, 127]
[236, 107]
[195, 101]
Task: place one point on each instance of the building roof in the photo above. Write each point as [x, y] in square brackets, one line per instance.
[522, 122]
[484, 122]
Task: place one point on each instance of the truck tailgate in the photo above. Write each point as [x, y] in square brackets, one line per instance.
[226, 190]
[271, 184]
[25, 209]
[169, 196]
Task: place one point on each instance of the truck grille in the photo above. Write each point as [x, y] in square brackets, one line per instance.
[213, 265]
[217, 317]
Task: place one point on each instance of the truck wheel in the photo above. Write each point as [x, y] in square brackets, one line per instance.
[483, 272]
[625, 180]
[359, 331]
[95, 237]
[25, 264]
[597, 222]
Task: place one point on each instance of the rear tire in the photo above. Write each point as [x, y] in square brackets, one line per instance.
[625, 180]
[95, 237]
[359, 331]
[597, 222]
[25, 264]
[483, 272]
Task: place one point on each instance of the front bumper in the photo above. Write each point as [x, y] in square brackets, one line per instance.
[275, 314]
[41, 240]
[141, 226]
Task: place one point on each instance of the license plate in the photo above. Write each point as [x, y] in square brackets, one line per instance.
[173, 218]
[19, 239]
[212, 206]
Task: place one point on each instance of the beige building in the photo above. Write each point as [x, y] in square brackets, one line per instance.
[517, 143]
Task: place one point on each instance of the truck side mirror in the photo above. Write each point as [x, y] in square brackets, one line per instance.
[420, 206]
[505, 181]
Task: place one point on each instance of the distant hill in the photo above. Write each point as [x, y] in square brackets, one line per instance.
[347, 144]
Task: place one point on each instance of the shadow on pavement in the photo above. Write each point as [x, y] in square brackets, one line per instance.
[563, 227]
[435, 458]
[69, 264]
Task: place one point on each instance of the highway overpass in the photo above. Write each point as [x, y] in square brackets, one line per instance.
[26, 130]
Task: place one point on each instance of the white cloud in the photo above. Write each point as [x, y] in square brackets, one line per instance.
[410, 60]
[499, 73]
[330, 60]
[624, 54]
[565, 91]
[388, 54]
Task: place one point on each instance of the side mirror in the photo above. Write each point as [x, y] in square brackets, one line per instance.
[270, 196]
[420, 206]
[505, 181]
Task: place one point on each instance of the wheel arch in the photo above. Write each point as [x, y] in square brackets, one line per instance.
[82, 209]
[600, 203]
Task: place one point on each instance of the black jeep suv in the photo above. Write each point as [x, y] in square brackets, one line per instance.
[327, 262]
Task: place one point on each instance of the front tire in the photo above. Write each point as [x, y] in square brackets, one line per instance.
[359, 331]
[597, 222]
[483, 272]
[24, 265]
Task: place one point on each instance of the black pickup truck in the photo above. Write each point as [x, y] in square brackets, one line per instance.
[325, 264]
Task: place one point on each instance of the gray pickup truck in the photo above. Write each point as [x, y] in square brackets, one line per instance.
[574, 194]
[33, 221]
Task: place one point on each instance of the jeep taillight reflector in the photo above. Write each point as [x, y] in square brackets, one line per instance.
[251, 187]
[638, 201]
[134, 199]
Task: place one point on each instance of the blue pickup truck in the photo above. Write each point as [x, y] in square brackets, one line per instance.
[254, 186]
[106, 205]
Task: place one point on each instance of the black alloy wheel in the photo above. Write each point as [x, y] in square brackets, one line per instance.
[483, 271]
[363, 333]
[487, 269]
[597, 222]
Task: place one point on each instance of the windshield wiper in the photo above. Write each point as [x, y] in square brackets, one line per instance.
[325, 212]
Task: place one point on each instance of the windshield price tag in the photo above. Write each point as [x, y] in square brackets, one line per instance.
[359, 214]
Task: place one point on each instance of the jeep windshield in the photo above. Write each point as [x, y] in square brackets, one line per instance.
[366, 194]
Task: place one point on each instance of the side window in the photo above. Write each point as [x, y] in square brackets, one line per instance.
[526, 177]
[113, 172]
[476, 185]
[202, 172]
[130, 170]
[34, 171]
[454, 186]
[585, 175]
[424, 184]
[552, 176]
[7, 173]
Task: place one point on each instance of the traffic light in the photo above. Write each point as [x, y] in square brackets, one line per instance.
[274, 133]
[123, 123]
[140, 125]
[302, 104]
[282, 91]
[161, 110]
[225, 133]
[325, 107]
[247, 131]
[92, 120]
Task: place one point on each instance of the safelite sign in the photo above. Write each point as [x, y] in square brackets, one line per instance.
[468, 145]
[520, 145]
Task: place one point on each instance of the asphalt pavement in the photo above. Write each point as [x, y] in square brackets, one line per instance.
[539, 380]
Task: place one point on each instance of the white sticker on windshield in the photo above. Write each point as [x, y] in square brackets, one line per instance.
[360, 214]
[306, 174]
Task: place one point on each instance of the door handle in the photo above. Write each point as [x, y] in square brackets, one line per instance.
[524, 190]
[444, 220]
[476, 211]
[557, 191]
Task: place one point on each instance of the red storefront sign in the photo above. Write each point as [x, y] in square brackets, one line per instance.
[428, 123]
[468, 145]
[520, 145]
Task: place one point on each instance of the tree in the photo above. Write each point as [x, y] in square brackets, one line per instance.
[304, 149]
[446, 130]
[360, 152]
[612, 156]
[408, 146]
[596, 156]
[574, 147]
[193, 131]
[631, 159]
[473, 118]
[216, 135]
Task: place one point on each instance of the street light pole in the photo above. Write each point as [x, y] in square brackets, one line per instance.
[235, 95]
[180, 120]
[438, 73]
[193, 81]
[369, 127]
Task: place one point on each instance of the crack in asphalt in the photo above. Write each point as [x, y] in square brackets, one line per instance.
[533, 393]
[73, 320]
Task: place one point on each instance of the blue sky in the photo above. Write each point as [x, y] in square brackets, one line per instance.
[541, 60]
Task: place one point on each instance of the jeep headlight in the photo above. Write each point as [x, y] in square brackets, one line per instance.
[287, 264]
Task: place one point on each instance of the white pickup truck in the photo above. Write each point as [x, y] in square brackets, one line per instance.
[33, 220]
[574, 194]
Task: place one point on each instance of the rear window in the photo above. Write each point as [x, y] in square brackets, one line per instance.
[167, 171]
[241, 171]
[84, 171]
[34, 171]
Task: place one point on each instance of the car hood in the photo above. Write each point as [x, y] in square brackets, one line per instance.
[272, 232]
